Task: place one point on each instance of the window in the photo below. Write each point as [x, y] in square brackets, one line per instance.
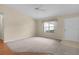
[49, 26]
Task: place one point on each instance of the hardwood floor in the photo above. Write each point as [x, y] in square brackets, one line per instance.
[4, 50]
[1, 44]
[1, 41]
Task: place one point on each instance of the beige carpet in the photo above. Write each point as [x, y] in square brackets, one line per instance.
[42, 45]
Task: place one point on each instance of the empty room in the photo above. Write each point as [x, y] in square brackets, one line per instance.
[39, 29]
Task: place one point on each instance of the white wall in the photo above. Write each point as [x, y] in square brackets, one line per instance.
[59, 32]
[1, 26]
[16, 25]
[72, 29]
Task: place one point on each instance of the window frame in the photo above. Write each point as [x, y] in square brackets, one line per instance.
[49, 26]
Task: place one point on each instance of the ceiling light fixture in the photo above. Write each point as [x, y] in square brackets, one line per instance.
[39, 8]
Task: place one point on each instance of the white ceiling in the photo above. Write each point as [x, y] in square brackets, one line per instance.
[48, 9]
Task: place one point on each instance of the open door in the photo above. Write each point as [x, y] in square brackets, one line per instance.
[1, 27]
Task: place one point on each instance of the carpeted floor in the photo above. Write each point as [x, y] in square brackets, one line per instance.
[42, 45]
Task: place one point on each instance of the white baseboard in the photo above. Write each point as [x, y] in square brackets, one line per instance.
[12, 40]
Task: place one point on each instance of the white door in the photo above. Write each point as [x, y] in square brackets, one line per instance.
[72, 28]
[1, 27]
